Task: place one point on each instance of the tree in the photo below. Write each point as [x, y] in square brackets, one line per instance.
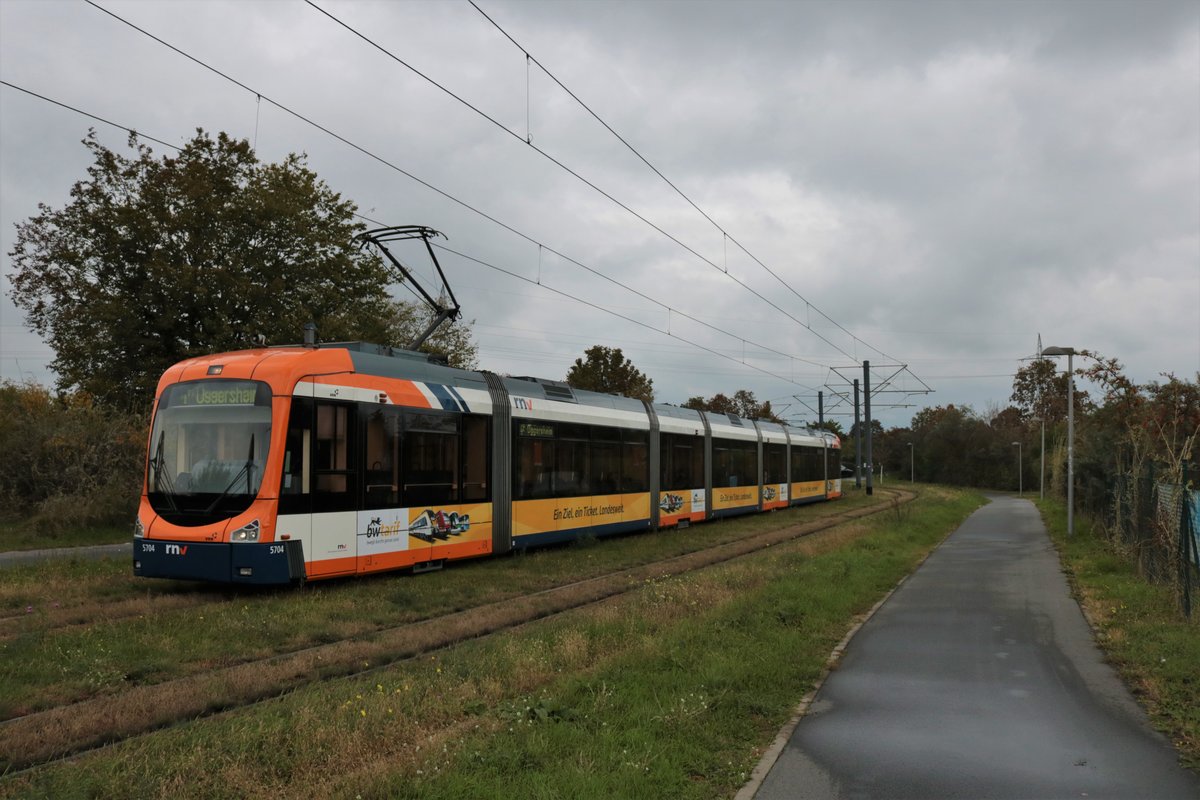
[158, 259]
[831, 425]
[1040, 392]
[606, 369]
[452, 340]
[743, 404]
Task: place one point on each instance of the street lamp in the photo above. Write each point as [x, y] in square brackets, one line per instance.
[912, 464]
[1069, 352]
[1020, 476]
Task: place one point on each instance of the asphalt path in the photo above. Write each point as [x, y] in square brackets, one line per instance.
[92, 553]
[979, 678]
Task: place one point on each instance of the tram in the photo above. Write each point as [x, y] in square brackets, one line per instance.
[289, 464]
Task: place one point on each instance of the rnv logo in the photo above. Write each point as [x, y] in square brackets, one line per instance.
[176, 550]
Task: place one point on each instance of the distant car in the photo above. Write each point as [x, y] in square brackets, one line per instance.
[847, 472]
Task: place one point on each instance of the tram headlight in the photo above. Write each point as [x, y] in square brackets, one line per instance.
[138, 530]
[246, 533]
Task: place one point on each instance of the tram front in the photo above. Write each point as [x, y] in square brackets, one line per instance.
[210, 495]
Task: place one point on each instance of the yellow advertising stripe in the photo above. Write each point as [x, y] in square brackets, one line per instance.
[568, 513]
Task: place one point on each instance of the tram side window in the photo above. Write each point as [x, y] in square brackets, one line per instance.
[635, 461]
[476, 451]
[833, 463]
[534, 463]
[296, 482]
[807, 464]
[723, 472]
[567, 460]
[296, 451]
[382, 457]
[774, 464]
[746, 462]
[605, 456]
[332, 459]
[430, 458]
[570, 476]
[682, 462]
[735, 463]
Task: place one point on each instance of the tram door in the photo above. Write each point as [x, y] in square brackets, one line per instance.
[317, 498]
[334, 488]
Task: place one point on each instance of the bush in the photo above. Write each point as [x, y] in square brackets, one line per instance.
[67, 461]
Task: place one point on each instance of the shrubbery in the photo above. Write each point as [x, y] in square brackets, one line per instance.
[67, 461]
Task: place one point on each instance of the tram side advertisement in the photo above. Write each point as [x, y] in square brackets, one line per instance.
[560, 514]
[394, 530]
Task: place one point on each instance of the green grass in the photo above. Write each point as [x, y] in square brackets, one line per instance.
[1140, 627]
[670, 691]
[163, 635]
[20, 534]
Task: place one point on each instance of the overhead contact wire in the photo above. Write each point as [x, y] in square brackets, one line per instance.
[494, 267]
[717, 353]
[437, 190]
[668, 181]
[576, 175]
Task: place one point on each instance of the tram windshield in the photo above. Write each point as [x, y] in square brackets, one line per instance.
[208, 449]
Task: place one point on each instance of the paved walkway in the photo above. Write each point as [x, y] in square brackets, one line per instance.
[96, 552]
[979, 678]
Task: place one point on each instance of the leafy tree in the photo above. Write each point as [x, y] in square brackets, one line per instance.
[1040, 391]
[831, 425]
[406, 321]
[606, 369]
[158, 259]
[743, 404]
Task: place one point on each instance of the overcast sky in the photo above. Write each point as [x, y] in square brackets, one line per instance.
[934, 184]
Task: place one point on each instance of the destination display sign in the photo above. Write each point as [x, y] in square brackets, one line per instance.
[215, 393]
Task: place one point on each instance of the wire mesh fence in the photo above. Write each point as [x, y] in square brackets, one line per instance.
[1153, 514]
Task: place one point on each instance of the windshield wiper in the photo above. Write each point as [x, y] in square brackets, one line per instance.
[247, 470]
[162, 478]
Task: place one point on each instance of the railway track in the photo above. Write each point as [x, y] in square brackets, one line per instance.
[81, 614]
[74, 729]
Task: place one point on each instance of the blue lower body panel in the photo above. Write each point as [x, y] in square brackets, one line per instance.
[272, 562]
[734, 512]
[558, 537]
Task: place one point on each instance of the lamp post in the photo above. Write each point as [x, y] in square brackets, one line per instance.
[912, 465]
[1020, 476]
[1069, 352]
[1042, 482]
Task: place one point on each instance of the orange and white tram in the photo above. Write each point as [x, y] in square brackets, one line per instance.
[298, 463]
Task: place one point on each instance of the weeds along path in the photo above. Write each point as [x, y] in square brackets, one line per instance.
[67, 730]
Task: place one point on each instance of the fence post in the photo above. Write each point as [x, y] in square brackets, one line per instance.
[1185, 542]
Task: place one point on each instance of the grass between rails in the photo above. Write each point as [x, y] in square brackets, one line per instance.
[670, 691]
[165, 630]
[1139, 626]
